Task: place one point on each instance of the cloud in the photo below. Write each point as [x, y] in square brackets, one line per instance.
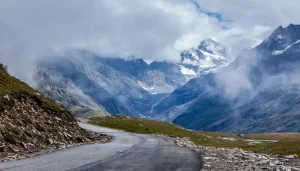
[153, 30]
[235, 79]
[251, 20]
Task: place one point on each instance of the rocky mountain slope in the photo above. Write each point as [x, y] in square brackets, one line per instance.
[258, 92]
[31, 122]
[87, 81]
[90, 85]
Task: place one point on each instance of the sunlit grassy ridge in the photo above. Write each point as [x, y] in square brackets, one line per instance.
[287, 144]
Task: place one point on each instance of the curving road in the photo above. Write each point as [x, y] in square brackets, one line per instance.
[125, 152]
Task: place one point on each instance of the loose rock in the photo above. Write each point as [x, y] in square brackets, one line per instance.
[216, 159]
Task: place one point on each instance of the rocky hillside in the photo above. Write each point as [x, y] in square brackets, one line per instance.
[87, 81]
[31, 122]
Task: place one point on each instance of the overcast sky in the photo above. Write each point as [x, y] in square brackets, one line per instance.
[148, 29]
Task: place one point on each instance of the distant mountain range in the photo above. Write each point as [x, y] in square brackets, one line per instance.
[90, 85]
[258, 92]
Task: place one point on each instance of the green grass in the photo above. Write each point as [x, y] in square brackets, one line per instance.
[10, 86]
[288, 143]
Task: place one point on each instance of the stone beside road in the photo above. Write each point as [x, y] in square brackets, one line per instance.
[54, 146]
[216, 159]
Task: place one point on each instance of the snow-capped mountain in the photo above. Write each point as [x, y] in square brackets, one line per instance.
[87, 83]
[156, 78]
[281, 40]
[266, 99]
[209, 56]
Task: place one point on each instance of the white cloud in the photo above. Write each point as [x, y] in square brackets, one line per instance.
[235, 79]
[153, 30]
[252, 20]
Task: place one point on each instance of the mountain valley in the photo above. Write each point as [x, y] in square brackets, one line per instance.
[90, 85]
[255, 93]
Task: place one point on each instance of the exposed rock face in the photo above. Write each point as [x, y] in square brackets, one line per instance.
[31, 122]
[65, 91]
[92, 82]
[215, 159]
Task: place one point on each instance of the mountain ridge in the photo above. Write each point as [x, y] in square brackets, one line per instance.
[262, 97]
[94, 85]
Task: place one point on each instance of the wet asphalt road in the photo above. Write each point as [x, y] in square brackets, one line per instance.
[125, 152]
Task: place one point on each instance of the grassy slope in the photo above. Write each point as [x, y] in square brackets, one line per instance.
[288, 143]
[10, 85]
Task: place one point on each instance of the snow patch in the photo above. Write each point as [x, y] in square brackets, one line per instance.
[145, 87]
[142, 116]
[279, 52]
[215, 55]
[190, 62]
[186, 71]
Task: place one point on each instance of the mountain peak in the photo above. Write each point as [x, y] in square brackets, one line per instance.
[212, 47]
[209, 55]
[292, 25]
[210, 41]
[279, 30]
[291, 29]
[281, 39]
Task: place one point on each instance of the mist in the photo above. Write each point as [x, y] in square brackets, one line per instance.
[155, 30]
[257, 72]
[158, 30]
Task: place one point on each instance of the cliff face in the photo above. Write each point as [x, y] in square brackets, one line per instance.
[31, 122]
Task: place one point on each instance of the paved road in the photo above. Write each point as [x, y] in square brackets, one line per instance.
[125, 152]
